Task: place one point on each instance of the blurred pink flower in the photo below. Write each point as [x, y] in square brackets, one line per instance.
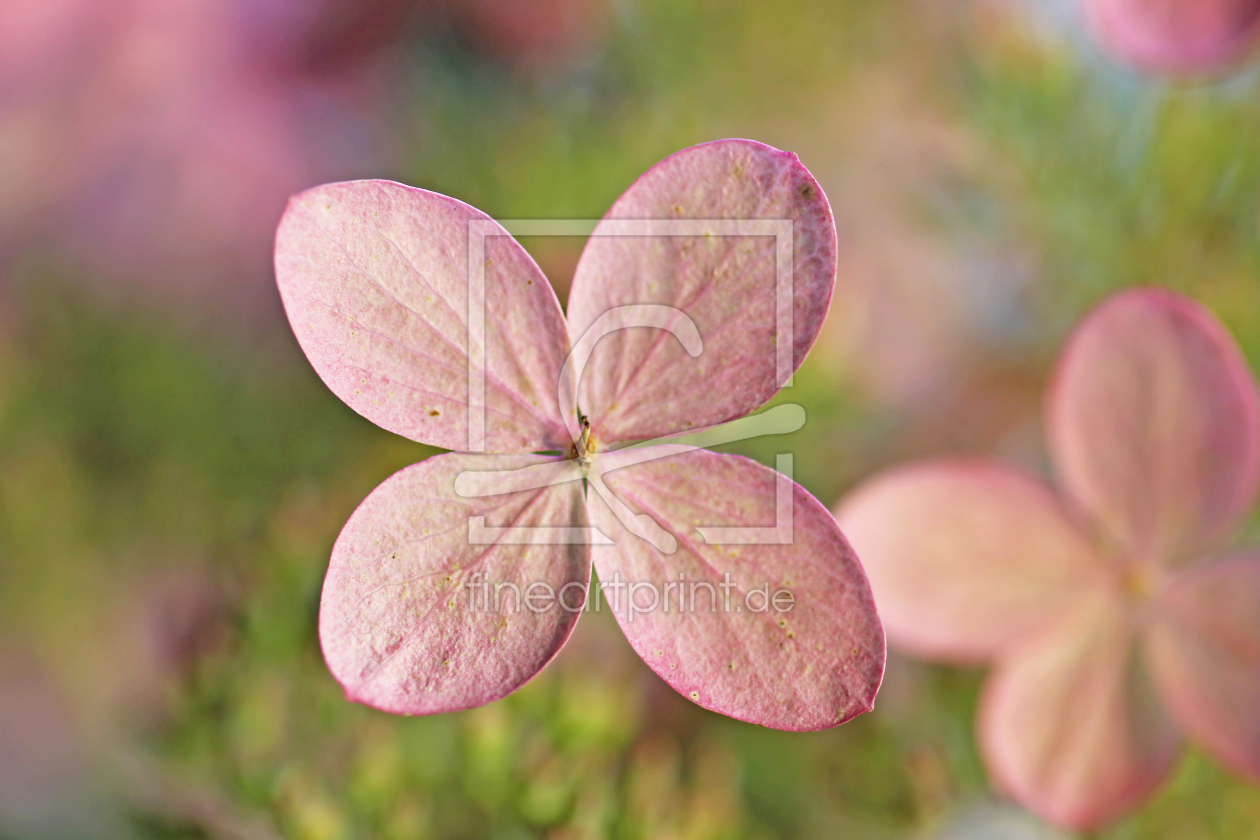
[157, 140]
[1109, 626]
[534, 33]
[1188, 37]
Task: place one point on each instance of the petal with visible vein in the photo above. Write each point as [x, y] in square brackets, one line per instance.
[375, 280]
[643, 383]
[725, 645]
[402, 625]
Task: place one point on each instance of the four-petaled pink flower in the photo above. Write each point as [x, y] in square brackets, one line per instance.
[1109, 617]
[375, 278]
[1180, 37]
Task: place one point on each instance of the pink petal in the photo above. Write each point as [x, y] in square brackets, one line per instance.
[966, 557]
[1205, 653]
[812, 666]
[1070, 724]
[1154, 422]
[642, 383]
[374, 277]
[1177, 36]
[401, 627]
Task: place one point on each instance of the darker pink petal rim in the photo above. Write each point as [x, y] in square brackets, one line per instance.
[801, 351]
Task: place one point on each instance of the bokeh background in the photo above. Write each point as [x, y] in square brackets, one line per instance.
[173, 474]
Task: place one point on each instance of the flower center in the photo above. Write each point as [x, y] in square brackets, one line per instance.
[584, 448]
[1139, 580]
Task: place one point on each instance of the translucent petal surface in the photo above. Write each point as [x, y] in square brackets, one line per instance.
[1205, 652]
[1176, 36]
[374, 278]
[966, 557]
[812, 666]
[1070, 724]
[1154, 422]
[400, 626]
[641, 382]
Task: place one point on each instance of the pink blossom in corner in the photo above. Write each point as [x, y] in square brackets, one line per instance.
[375, 280]
[157, 141]
[1180, 37]
[1113, 624]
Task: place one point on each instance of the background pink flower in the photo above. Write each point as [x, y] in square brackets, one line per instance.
[1110, 618]
[1190, 37]
[156, 142]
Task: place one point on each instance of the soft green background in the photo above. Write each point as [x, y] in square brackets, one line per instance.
[992, 179]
